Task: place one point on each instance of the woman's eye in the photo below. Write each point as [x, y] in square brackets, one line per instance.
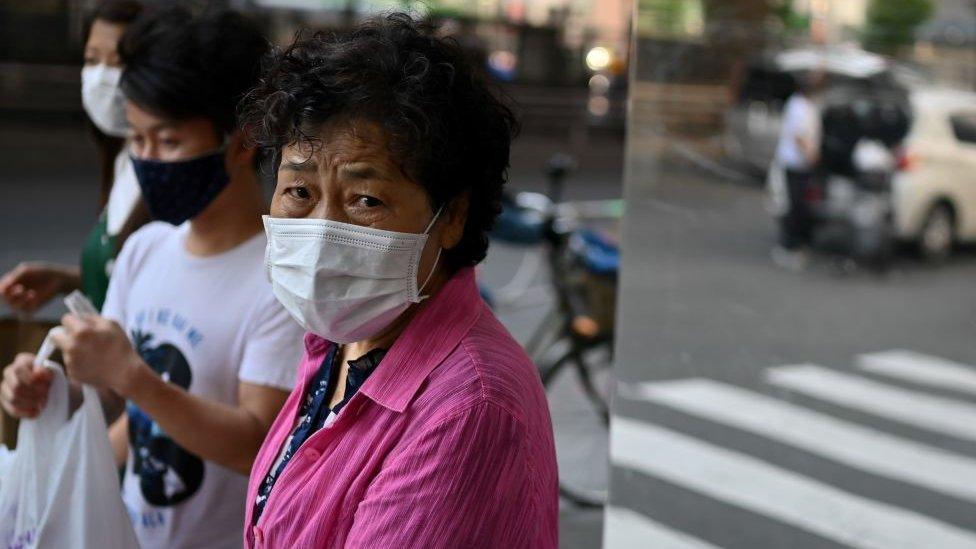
[368, 202]
[169, 143]
[301, 193]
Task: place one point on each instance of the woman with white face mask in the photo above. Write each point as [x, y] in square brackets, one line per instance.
[417, 420]
[32, 284]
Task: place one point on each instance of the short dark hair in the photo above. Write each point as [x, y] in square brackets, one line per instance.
[181, 65]
[119, 12]
[447, 129]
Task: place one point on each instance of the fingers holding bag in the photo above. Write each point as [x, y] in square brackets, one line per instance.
[25, 387]
[96, 351]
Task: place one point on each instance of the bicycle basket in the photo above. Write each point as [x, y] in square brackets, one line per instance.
[598, 260]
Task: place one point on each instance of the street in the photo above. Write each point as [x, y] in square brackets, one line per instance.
[758, 407]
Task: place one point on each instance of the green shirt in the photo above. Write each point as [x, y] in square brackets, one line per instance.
[97, 257]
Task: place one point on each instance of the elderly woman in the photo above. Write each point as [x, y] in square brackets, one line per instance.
[417, 421]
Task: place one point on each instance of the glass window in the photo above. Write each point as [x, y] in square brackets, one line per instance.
[964, 126]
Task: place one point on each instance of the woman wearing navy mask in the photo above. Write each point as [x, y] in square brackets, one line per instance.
[192, 336]
[31, 284]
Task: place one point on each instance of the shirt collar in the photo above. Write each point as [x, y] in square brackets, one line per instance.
[316, 346]
[437, 329]
[428, 339]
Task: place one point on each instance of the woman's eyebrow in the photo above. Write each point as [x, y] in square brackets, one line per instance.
[357, 171]
[307, 165]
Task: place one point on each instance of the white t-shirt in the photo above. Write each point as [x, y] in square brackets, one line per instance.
[801, 118]
[205, 324]
[124, 194]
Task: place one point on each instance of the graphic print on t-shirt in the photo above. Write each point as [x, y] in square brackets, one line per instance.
[167, 473]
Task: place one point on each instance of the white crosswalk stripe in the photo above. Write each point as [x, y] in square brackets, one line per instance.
[790, 497]
[626, 529]
[921, 369]
[784, 495]
[945, 415]
[849, 443]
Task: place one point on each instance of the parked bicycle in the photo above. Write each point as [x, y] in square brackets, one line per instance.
[572, 345]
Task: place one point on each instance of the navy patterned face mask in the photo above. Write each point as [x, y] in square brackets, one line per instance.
[180, 190]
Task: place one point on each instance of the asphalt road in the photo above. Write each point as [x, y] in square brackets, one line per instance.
[764, 408]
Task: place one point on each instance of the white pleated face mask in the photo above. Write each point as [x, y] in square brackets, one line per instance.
[103, 100]
[344, 282]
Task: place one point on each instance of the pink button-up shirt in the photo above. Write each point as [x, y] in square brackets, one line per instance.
[447, 444]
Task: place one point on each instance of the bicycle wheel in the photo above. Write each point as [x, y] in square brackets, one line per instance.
[579, 417]
[545, 335]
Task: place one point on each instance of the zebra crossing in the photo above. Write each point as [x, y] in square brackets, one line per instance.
[896, 387]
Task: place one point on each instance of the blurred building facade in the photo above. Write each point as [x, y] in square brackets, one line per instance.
[536, 48]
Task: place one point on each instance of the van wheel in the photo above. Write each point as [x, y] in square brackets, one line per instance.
[938, 234]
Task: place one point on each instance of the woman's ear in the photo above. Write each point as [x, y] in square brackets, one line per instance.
[456, 212]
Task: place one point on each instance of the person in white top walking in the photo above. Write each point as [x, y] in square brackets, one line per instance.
[191, 336]
[798, 153]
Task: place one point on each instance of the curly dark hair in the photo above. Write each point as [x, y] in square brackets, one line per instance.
[446, 128]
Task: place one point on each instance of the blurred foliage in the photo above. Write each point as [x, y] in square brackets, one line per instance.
[670, 18]
[792, 21]
[698, 41]
[891, 24]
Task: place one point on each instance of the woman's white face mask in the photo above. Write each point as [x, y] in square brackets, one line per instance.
[102, 98]
[344, 282]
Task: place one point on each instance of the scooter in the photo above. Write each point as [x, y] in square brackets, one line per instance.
[855, 216]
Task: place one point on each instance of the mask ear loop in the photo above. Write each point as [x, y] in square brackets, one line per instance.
[433, 267]
[433, 220]
[430, 275]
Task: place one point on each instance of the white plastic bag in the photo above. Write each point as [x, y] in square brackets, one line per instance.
[6, 460]
[62, 488]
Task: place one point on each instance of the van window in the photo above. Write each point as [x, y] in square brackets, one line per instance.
[964, 126]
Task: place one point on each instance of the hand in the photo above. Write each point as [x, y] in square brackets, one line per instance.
[30, 285]
[24, 390]
[96, 351]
